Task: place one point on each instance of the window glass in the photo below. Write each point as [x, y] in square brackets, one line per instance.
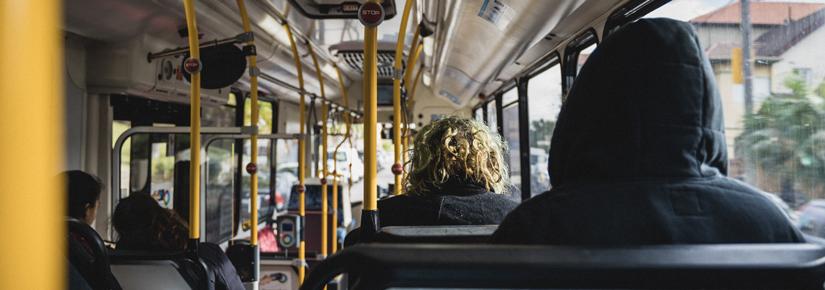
[509, 97]
[511, 137]
[478, 114]
[779, 146]
[544, 99]
[264, 116]
[492, 119]
[118, 128]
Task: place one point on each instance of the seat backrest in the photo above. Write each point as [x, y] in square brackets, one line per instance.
[161, 270]
[89, 255]
[741, 266]
[436, 234]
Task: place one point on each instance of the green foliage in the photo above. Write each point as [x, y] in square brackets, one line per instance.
[786, 136]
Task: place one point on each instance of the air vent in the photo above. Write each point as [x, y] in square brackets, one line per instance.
[355, 60]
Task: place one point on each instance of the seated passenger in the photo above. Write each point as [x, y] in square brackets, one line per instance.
[87, 253]
[142, 224]
[638, 155]
[458, 176]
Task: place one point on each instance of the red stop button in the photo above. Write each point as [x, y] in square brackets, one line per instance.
[371, 14]
[251, 168]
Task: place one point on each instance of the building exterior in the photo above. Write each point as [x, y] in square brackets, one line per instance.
[783, 34]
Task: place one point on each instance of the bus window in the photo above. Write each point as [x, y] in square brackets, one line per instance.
[491, 115]
[544, 97]
[118, 127]
[773, 111]
[510, 133]
[265, 115]
[220, 177]
[576, 54]
[478, 114]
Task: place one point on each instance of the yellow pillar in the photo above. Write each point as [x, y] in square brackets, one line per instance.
[397, 168]
[194, 122]
[301, 150]
[32, 200]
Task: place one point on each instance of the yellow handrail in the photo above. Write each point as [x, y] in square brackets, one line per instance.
[32, 201]
[397, 168]
[194, 124]
[411, 98]
[301, 150]
[335, 173]
[416, 48]
[324, 170]
[370, 88]
[253, 140]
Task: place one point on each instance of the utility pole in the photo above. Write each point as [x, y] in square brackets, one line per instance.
[746, 55]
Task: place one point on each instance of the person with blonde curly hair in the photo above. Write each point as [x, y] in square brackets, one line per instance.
[458, 175]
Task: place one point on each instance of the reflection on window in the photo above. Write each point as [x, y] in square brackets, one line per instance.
[779, 147]
[544, 99]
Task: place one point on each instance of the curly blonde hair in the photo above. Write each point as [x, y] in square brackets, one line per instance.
[456, 147]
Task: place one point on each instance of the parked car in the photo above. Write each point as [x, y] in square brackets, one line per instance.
[812, 218]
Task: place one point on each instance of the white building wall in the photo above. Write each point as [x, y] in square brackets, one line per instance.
[806, 55]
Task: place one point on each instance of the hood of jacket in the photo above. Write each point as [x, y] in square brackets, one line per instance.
[644, 106]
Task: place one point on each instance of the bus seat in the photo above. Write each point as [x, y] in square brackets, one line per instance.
[474, 234]
[161, 270]
[89, 255]
[739, 266]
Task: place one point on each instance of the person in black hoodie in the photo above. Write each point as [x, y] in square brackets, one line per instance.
[638, 155]
[457, 176]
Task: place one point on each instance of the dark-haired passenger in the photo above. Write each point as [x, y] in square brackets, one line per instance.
[86, 252]
[142, 224]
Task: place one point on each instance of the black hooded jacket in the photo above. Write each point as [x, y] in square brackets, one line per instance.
[638, 155]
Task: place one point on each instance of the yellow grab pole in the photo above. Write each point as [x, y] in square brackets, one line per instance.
[301, 150]
[335, 173]
[324, 190]
[370, 115]
[193, 67]
[414, 85]
[416, 49]
[32, 200]
[397, 168]
[252, 167]
[324, 170]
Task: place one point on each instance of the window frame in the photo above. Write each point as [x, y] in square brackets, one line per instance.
[570, 63]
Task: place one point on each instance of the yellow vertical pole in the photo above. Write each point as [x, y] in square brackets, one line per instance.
[397, 168]
[32, 201]
[408, 72]
[252, 167]
[324, 166]
[253, 83]
[335, 173]
[194, 122]
[370, 116]
[301, 150]
[324, 190]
